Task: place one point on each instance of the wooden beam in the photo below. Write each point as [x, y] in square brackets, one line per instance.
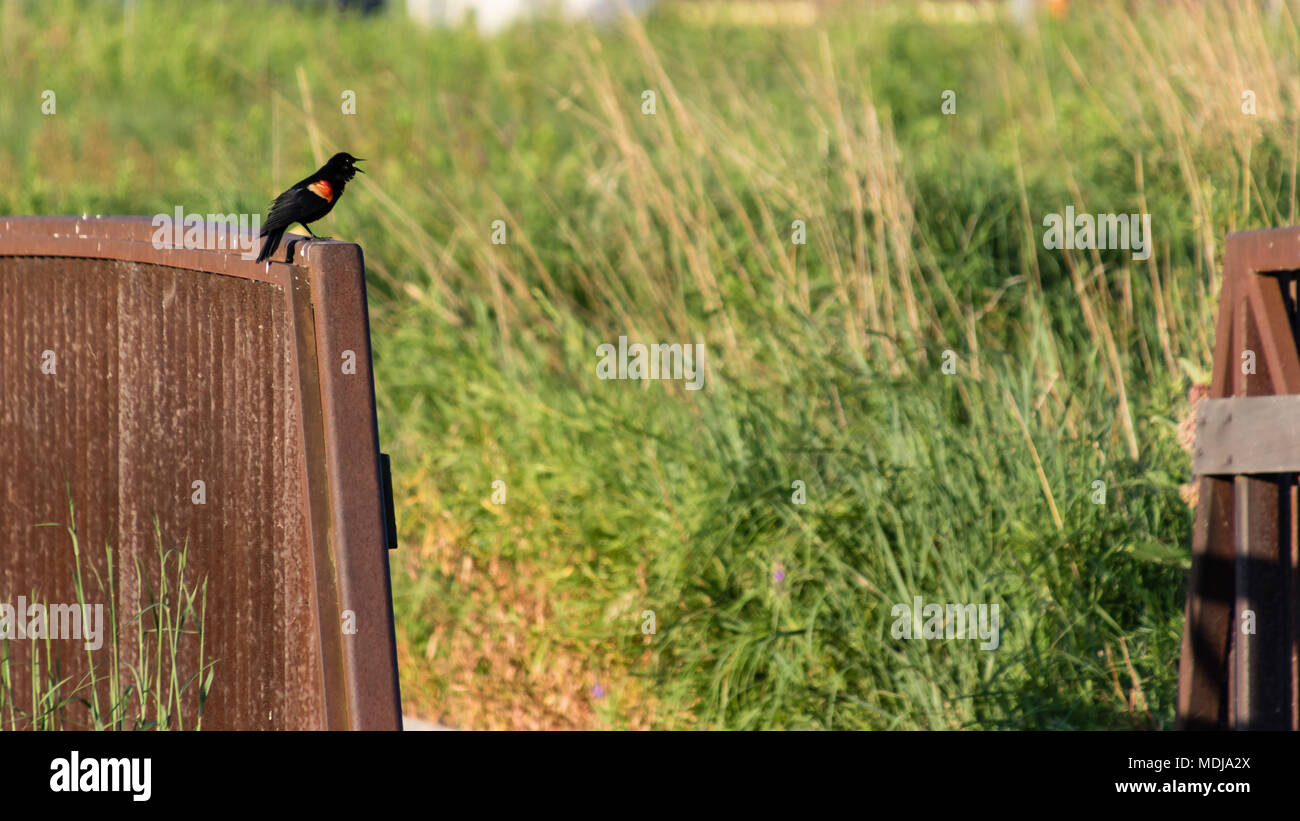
[1247, 435]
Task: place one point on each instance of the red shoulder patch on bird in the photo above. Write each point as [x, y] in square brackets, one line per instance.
[322, 189]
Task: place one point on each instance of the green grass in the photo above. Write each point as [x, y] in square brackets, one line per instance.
[151, 686]
[924, 235]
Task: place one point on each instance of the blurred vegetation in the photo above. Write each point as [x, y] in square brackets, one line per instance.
[924, 234]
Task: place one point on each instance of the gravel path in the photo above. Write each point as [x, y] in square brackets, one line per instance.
[420, 725]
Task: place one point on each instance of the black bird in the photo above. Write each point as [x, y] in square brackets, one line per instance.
[308, 200]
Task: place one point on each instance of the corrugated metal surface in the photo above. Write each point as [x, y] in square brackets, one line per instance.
[177, 366]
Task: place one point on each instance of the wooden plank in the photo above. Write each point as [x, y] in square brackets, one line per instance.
[1247, 435]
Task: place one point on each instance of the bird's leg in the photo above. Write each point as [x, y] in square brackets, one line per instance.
[313, 233]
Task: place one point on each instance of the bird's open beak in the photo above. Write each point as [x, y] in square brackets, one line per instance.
[358, 159]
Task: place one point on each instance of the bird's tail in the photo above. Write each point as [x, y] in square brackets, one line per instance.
[272, 242]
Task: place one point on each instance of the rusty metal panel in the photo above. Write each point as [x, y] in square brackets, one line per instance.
[1202, 685]
[175, 366]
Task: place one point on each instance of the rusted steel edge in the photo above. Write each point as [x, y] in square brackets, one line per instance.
[131, 239]
[314, 474]
[358, 522]
[347, 535]
[1264, 250]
